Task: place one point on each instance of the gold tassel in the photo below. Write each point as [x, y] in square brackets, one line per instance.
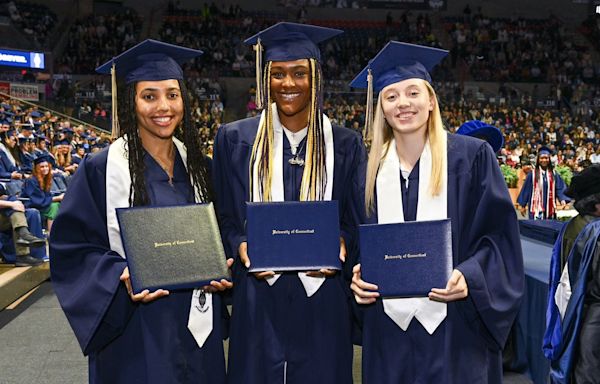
[259, 83]
[369, 110]
[115, 118]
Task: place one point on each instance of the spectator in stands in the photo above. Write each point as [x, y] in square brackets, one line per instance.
[416, 172]
[14, 216]
[25, 153]
[317, 161]
[572, 338]
[37, 189]
[145, 166]
[543, 190]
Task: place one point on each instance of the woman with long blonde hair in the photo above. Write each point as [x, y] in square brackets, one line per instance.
[418, 172]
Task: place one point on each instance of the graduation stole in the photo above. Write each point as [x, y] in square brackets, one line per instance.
[537, 196]
[311, 284]
[390, 210]
[118, 183]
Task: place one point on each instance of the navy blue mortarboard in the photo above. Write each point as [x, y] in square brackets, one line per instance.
[286, 42]
[483, 131]
[41, 159]
[544, 151]
[36, 113]
[62, 142]
[395, 62]
[292, 41]
[399, 61]
[150, 60]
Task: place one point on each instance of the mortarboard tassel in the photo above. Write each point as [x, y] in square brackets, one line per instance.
[115, 118]
[369, 110]
[259, 69]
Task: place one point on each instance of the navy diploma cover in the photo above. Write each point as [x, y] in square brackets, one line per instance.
[293, 235]
[406, 259]
[176, 247]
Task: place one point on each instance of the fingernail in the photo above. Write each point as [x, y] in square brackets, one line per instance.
[247, 264]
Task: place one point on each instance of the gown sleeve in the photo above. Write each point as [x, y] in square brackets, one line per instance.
[560, 188]
[491, 259]
[85, 272]
[231, 232]
[525, 194]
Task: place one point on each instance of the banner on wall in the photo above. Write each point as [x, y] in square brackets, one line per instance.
[24, 91]
[408, 4]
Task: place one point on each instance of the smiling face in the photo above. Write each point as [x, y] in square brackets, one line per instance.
[290, 89]
[43, 168]
[406, 105]
[158, 107]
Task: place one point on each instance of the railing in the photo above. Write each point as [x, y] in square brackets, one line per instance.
[55, 113]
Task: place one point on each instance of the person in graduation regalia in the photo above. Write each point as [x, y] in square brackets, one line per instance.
[137, 337]
[543, 190]
[417, 171]
[483, 131]
[293, 327]
[572, 337]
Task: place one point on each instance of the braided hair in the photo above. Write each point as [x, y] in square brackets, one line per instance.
[314, 178]
[197, 165]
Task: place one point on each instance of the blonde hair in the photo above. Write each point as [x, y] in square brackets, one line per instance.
[380, 145]
[314, 177]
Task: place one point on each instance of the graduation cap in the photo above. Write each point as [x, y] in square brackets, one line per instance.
[483, 131]
[23, 139]
[544, 151]
[41, 159]
[36, 113]
[397, 61]
[150, 60]
[585, 184]
[286, 42]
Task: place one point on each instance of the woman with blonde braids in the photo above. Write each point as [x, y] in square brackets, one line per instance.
[37, 189]
[293, 327]
[419, 172]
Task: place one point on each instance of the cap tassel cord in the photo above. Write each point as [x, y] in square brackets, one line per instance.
[369, 109]
[259, 83]
[115, 118]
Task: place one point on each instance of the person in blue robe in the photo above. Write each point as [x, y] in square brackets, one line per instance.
[138, 337]
[572, 337]
[281, 332]
[417, 171]
[543, 190]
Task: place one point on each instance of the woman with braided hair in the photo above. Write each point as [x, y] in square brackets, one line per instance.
[145, 337]
[293, 327]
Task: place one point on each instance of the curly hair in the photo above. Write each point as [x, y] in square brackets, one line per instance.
[197, 165]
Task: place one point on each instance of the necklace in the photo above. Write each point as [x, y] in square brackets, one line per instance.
[168, 169]
[297, 160]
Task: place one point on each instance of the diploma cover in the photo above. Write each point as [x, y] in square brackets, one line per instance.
[293, 235]
[406, 259]
[174, 247]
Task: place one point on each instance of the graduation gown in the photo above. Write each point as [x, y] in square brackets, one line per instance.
[126, 342]
[524, 198]
[467, 346]
[38, 198]
[571, 342]
[6, 166]
[277, 332]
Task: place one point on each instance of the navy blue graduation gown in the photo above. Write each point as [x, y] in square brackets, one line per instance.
[526, 192]
[126, 342]
[6, 166]
[277, 330]
[467, 346]
[38, 198]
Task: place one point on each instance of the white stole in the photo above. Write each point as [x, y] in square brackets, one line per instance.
[311, 284]
[118, 182]
[390, 210]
